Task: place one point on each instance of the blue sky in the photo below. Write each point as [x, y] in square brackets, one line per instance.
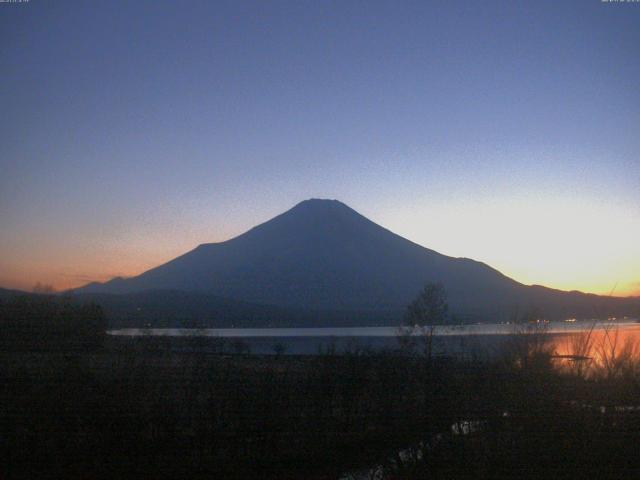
[501, 131]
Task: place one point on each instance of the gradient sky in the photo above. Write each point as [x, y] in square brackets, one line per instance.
[507, 132]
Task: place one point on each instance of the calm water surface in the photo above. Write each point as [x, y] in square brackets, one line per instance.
[438, 330]
[484, 339]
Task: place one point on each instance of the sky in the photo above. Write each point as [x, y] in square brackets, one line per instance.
[507, 132]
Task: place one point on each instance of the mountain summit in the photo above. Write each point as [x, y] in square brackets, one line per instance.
[323, 255]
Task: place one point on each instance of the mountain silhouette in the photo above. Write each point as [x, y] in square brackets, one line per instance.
[323, 255]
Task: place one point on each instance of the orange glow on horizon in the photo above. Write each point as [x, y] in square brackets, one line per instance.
[102, 269]
[550, 242]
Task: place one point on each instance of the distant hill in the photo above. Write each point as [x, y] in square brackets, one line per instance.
[7, 293]
[176, 309]
[323, 256]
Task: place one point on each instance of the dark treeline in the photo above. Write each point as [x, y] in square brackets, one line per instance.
[175, 309]
[47, 322]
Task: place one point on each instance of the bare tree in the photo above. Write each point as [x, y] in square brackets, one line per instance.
[43, 288]
[529, 345]
[429, 308]
[615, 354]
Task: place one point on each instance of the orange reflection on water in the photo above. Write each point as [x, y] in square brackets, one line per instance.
[606, 349]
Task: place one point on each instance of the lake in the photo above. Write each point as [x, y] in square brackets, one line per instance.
[477, 340]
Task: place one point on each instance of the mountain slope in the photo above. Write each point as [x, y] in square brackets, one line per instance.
[321, 254]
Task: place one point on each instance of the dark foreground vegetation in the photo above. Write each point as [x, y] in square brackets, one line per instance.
[49, 323]
[150, 408]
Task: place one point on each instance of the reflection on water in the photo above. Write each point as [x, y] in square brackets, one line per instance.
[438, 330]
[609, 349]
[574, 345]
